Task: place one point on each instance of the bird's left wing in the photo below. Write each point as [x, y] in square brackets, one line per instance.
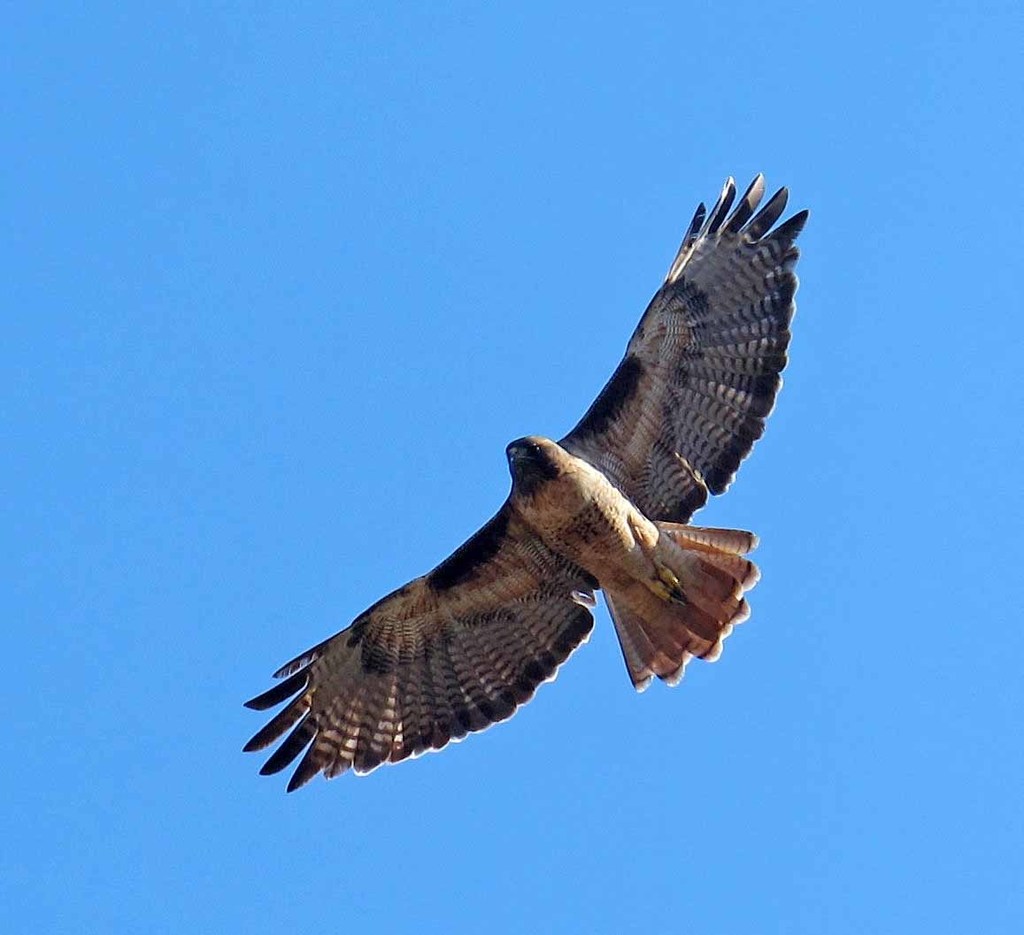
[703, 367]
[450, 653]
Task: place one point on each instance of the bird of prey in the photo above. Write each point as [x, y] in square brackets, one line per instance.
[607, 507]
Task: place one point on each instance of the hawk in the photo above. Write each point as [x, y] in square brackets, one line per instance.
[607, 507]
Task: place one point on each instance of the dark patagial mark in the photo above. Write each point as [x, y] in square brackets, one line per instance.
[478, 549]
[618, 391]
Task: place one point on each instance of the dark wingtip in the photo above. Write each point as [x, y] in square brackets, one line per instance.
[309, 766]
[689, 238]
[748, 203]
[790, 229]
[292, 746]
[768, 215]
[279, 693]
[278, 725]
[695, 224]
[721, 208]
[303, 660]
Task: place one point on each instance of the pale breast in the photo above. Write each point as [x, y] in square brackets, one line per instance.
[581, 515]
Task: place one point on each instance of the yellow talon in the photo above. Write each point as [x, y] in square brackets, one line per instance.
[661, 589]
[669, 577]
[669, 587]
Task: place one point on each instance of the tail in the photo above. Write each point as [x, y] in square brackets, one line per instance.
[660, 634]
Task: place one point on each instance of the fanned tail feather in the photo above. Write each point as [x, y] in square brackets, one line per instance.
[660, 635]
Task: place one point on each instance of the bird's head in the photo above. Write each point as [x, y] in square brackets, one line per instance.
[532, 461]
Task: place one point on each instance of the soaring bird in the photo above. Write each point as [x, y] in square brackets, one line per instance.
[606, 507]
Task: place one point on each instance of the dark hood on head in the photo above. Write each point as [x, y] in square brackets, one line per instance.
[530, 464]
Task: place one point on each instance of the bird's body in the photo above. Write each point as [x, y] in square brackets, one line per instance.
[607, 506]
[657, 577]
[576, 511]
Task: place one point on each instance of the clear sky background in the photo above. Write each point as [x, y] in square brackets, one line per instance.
[279, 285]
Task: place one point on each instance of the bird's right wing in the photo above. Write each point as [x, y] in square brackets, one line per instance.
[452, 652]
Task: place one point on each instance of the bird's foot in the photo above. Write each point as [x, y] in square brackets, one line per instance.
[668, 586]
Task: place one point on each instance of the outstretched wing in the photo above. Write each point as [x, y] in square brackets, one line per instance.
[701, 372]
[452, 652]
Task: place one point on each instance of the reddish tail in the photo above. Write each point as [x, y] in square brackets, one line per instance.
[660, 635]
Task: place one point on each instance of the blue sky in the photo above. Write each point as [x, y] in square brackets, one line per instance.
[279, 287]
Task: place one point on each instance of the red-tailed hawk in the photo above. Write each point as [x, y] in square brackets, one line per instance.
[606, 507]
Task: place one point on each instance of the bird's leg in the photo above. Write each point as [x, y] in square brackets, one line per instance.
[666, 585]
